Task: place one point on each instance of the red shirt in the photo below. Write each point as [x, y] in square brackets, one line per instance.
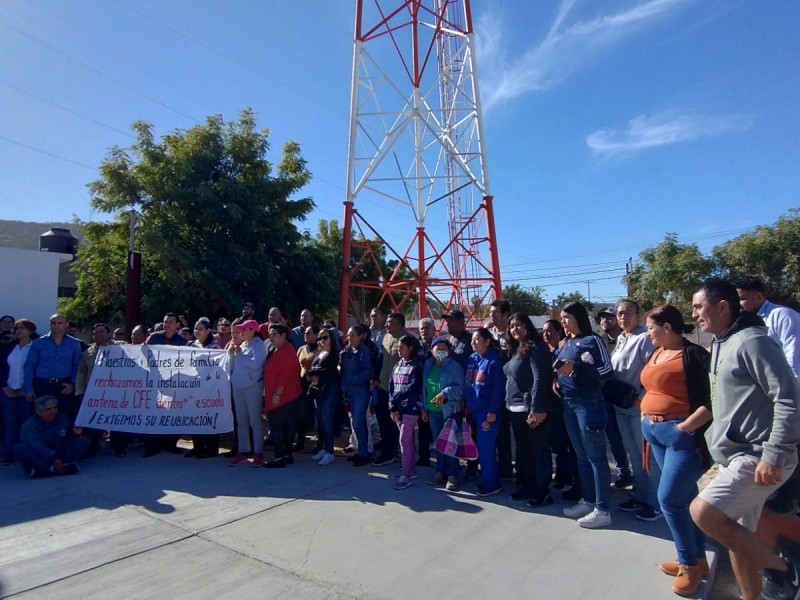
[281, 371]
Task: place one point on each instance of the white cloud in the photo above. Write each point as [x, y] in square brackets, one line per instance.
[650, 131]
[564, 49]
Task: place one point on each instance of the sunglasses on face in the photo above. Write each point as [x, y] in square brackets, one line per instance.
[324, 337]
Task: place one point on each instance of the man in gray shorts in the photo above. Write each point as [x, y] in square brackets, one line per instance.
[754, 436]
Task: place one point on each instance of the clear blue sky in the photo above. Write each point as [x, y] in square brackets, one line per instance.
[607, 124]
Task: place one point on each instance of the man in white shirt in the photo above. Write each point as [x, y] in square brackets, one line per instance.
[783, 323]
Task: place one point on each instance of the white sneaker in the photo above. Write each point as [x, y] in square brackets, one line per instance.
[596, 519]
[319, 455]
[327, 459]
[581, 509]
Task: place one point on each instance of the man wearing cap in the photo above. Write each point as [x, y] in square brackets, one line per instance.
[607, 319]
[49, 444]
[395, 329]
[611, 332]
[168, 336]
[458, 336]
[248, 311]
[52, 366]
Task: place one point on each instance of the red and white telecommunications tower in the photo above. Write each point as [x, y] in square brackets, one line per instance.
[417, 178]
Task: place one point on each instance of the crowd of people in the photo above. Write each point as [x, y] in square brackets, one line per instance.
[543, 407]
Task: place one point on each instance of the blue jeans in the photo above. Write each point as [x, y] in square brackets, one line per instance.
[68, 451]
[617, 447]
[676, 454]
[645, 487]
[358, 399]
[326, 408]
[586, 425]
[15, 412]
[487, 449]
[446, 465]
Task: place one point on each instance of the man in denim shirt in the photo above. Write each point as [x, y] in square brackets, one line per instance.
[52, 366]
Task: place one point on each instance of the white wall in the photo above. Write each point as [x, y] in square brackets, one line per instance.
[29, 287]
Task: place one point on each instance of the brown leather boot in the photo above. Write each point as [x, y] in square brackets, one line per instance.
[671, 567]
[687, 581]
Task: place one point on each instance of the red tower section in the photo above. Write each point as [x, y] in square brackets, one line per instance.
[417, 189]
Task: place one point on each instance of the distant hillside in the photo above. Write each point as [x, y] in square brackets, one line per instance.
[25, 235]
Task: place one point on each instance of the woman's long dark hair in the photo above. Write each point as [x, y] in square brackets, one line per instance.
[669, 314]
[577, 310]
[334, 341]
[487, 336]
[210, 337]
[532, 336]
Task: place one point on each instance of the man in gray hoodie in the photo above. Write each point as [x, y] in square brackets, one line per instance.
[753, 437]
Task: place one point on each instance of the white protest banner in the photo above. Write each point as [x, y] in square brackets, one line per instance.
[158, 389]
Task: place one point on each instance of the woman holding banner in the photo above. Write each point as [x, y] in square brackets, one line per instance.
[204, 445]
[248, 353]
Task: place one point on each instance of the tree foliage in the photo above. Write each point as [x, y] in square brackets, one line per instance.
[217, 226]
[564, 298]
[669, 274]
[528, 301]
[772, 253]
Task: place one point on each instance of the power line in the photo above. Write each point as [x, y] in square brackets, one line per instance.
[98, 71]
[35, 149]
[69, 110]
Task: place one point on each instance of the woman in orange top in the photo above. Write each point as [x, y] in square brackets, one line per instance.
[675, 409]
[281, 389]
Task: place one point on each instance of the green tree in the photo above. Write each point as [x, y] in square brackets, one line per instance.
[529, 301]
[217, 225]
[564, 298]
[772, 253]
[668, 274]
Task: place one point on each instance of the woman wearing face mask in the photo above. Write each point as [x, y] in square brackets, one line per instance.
[443, 385]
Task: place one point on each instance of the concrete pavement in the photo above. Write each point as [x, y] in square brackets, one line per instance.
[168, 527]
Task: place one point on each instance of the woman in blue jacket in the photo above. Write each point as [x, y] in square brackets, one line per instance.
[356, 374]
[443, 383]
[582, 366]
[485, 393]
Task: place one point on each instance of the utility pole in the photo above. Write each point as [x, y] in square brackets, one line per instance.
[134, 281]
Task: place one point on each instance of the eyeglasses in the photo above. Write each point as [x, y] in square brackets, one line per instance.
[324, 337]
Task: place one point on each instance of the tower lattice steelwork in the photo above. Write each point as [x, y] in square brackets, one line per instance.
[417, 178]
